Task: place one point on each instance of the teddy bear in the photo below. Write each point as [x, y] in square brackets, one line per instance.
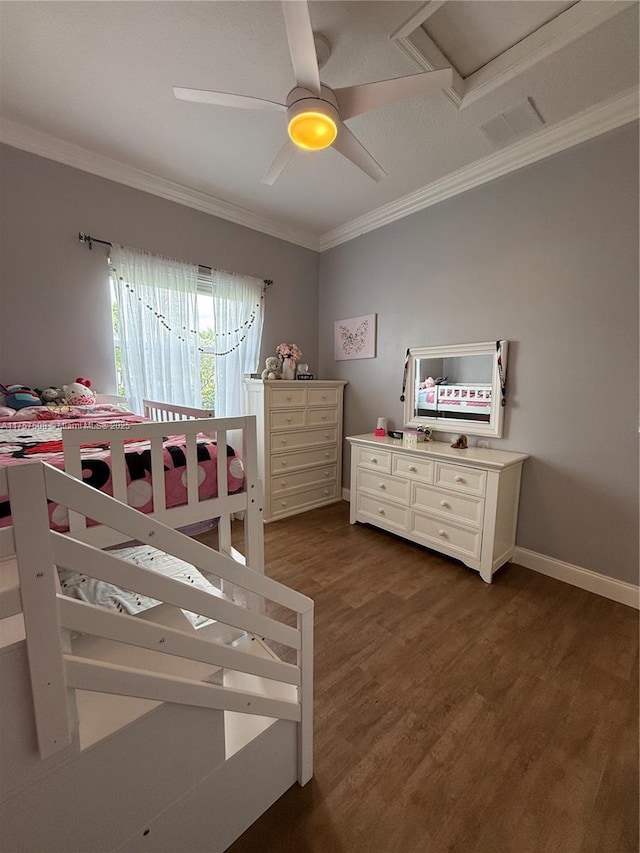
[52, 396]
[272, 368]
[77, 394]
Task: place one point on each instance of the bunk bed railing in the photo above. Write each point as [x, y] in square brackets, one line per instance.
[158, 411]
[239, 432]
[49, 616]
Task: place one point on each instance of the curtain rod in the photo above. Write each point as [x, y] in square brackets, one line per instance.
[87, 238]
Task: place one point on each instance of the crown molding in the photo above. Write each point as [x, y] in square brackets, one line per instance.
[53, 148]
[592, 122]
[588, 124]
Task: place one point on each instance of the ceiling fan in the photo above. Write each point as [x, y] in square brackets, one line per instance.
[316, 113]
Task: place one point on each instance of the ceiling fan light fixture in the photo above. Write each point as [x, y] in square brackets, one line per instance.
[312, 130]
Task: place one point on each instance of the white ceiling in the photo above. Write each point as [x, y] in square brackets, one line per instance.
[97, 77]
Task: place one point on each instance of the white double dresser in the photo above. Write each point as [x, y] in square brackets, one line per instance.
[299, 425]
[463, 503]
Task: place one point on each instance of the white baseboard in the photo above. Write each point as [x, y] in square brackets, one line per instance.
[621, 591]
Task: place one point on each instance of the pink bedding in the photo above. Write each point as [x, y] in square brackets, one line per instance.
[21, 441]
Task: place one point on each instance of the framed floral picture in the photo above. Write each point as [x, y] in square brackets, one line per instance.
[355, 337]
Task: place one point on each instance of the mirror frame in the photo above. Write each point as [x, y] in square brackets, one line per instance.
[495, 426]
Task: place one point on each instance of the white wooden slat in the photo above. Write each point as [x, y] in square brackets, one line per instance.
[73, 466]
[85, 674]
[157, 474]
[222, 463]
[191, 455]
[106, 566]
[37, 571]
[90, 619]
[222, 471]
[305, 695]
[118, 472]
[254, 528]
[103, 508]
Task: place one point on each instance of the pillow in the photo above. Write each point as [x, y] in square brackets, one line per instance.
[6, 413]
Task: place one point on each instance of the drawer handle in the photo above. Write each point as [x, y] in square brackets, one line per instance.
[324, 396]
[283, 483]
[289, 420]
[283, 463]
[459, 479]
[374, 460]
[413, 468]
[327, 435]
[283, 503]
[289, 397]
[283, 441]
[323, 417]
[442, 533]
[444, 504]
[326, 491]
[327, 473]
[380, 510]
[327, 454]
[382, 486]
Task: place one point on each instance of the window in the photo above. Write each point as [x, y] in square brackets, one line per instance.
[183, 334]
[205, 339]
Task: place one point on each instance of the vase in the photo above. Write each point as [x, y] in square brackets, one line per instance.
[289, 368]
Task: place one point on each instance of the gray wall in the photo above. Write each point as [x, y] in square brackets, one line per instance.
[55, 316]
[547, 258]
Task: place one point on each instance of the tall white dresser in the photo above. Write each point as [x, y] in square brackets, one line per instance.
[463, 503]
[299, 442]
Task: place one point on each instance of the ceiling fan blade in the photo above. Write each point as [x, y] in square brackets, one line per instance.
[226, 99]
[281, 160]
[355, 100]
[347, 144]
[301, 45]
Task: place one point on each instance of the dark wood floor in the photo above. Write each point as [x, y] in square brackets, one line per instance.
[451, 715]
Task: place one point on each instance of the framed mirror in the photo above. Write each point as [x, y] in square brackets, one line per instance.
[457, 388]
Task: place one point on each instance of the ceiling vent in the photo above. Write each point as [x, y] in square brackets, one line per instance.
[513, 124]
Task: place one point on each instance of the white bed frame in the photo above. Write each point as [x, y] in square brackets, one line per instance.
[235, 720]
[188, 422]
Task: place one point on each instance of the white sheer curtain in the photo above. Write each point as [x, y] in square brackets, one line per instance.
[238, 312]
[158, 322]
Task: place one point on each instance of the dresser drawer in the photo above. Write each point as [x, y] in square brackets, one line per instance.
[284, 441]
[375, 460]
[319, 417]
[453, 540]
[381, 512]
[289, 505]
[303, 459]
[468, 510]
[282, 397]
[323, 396]
[299, 479]
[413, 467]
[390, 487]
[469, 480]
[287, 418]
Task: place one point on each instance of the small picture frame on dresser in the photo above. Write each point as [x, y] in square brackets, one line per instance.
[304, 376]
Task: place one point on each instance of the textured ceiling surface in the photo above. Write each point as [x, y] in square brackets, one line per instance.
[100, 75]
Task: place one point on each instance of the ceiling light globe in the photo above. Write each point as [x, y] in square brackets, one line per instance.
[312, 130]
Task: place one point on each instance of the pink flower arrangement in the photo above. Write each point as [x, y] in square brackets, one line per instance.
[289, 351]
